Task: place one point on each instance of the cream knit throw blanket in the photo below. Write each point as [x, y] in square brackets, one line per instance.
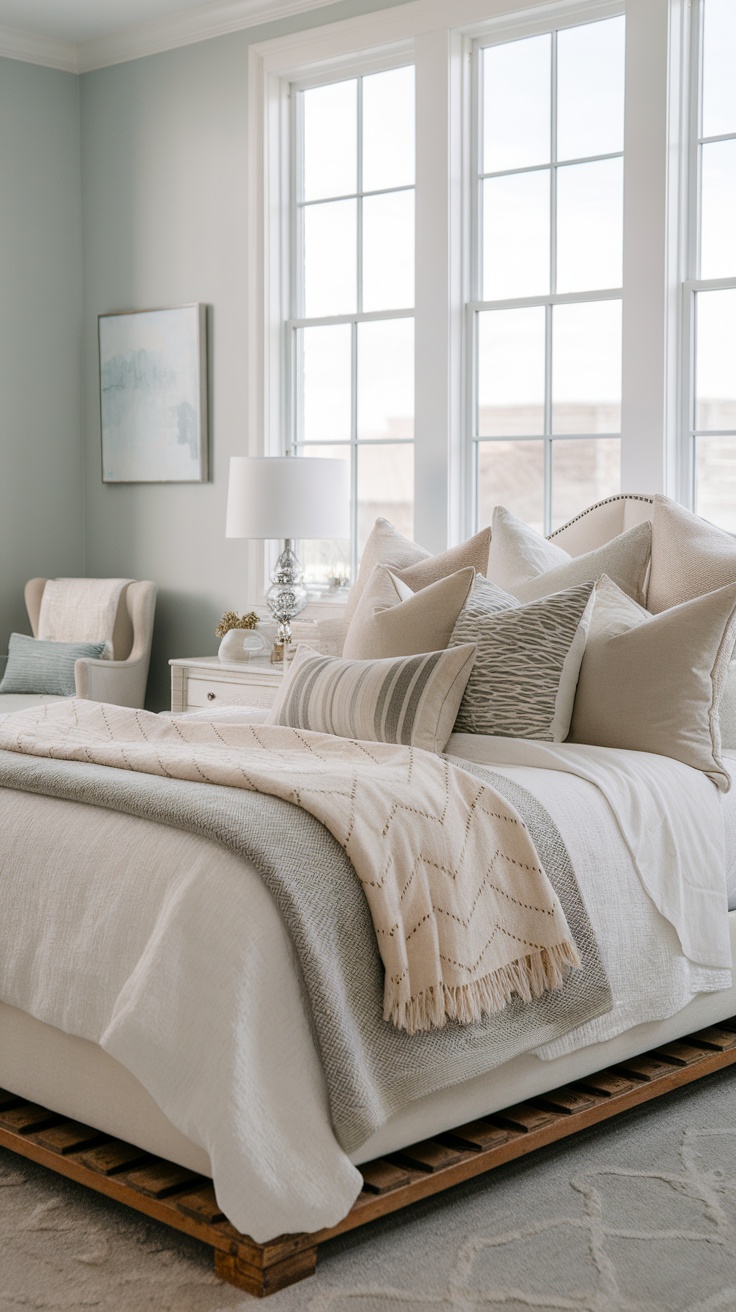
[80, 610]
[464, 915]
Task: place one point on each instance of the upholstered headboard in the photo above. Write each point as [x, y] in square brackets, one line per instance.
[603, 521]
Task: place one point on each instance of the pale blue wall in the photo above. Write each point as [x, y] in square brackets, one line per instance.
[165, 201]
[41, 500]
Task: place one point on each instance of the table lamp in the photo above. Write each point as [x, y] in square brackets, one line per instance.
[290, 498]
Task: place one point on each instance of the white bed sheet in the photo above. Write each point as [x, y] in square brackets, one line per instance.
[205, 1009]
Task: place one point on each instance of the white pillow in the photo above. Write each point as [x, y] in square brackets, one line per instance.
[527, 565]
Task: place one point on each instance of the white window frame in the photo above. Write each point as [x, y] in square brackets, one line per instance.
[437, 38]
[292, 417]
[693, 283]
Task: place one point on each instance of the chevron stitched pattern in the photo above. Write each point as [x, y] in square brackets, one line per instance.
[407, 699]
[513, 686]
[465, 917]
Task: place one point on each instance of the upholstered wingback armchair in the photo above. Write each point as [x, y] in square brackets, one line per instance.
[121, 680]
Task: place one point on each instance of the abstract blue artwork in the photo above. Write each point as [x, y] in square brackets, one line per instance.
[153, 396]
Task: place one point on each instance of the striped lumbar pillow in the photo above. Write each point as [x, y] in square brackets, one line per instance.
[527, 663]
[410, 699]
[35, 665]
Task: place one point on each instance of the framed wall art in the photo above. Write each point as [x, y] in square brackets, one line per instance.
[153, 395]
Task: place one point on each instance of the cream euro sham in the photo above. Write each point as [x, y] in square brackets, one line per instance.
[524, 563]
[654, 683]
[385, 625]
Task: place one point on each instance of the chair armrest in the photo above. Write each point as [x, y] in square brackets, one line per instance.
[122, 683]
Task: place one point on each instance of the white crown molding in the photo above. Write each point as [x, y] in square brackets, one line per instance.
[49, 51]
[183, 29]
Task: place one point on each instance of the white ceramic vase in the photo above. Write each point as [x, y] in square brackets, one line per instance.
[242, 645]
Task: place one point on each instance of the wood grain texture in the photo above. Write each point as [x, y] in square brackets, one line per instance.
[187, 1202]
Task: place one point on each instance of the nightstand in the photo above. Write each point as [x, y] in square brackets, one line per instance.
[199, 683]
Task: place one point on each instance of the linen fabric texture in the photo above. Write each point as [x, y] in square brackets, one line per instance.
[689, 556]
[412, 563]
[82, 610]
[464, 915]
[36, 666]
[653, 683]
[412, 700]
[524, 563]
[528, 657]
[391, 620]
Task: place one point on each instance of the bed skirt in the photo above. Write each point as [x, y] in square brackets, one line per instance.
[78, 1079]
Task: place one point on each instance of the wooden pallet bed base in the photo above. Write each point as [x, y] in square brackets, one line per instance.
[186, 1201]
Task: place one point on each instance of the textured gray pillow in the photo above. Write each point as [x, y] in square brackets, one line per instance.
[654, 683]
[411, 700]
[526, 564]
[527, 662]
[41, 666]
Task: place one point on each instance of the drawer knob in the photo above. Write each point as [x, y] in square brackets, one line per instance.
[210, 696]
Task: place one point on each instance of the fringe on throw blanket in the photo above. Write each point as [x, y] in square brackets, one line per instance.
[527, 978]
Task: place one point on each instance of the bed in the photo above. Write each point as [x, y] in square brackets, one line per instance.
[187, 1033]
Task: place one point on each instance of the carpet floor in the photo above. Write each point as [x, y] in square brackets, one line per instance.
[634, 1216]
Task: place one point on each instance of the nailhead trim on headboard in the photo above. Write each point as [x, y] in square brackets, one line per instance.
[619, 496]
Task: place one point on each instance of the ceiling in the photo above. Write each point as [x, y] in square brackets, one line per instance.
[87, 20]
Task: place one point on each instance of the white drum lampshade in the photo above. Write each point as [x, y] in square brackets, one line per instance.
[287, 497]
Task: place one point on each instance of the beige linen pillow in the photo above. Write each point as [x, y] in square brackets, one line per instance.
[527, 662]
[384, 624]
[412, 699]
[530, 567]
[386, 546]
[656, 685]
[689, 556]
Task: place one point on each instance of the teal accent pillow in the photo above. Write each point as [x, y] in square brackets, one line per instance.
[35, 665]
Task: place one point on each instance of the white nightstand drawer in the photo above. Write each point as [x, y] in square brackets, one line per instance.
[197, 685]
[207, 692]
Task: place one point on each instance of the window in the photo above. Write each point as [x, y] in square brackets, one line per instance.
[536, 358]
[710, 294]
[546, 322]
[351, 332]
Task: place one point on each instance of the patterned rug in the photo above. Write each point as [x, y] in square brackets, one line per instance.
[634, 1216]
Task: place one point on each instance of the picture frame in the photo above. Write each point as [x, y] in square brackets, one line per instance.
[153, 395]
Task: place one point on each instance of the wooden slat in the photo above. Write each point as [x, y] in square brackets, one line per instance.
[477, 1136]
[680, 1054]
[27, 1118]
[9, 1099]
[607, 1083]
[526, 1117]
[113, 1156]
[381, 1176]
[160, 1179]
[201, 1204]
[568, 1100]
[69, 1137]
[431, 1155]
[646, 1067]
[715, 1037]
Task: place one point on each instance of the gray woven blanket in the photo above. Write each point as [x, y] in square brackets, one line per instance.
[372, 1069]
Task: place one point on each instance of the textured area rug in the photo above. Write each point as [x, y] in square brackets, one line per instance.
[634, 1216]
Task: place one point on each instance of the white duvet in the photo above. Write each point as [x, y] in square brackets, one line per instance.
[187, 976]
